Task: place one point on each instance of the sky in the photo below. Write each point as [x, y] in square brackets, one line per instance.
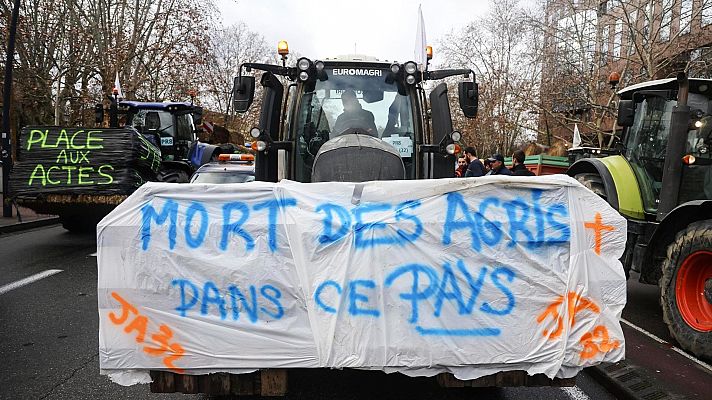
[385, 29]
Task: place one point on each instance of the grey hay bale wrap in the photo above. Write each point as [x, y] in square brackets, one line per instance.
[90, 161]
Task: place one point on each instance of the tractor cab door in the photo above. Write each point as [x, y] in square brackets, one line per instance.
[440, 164]
[696, 180]
[646, 143]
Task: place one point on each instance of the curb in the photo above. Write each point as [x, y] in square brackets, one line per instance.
[630, 382]
[22, 226]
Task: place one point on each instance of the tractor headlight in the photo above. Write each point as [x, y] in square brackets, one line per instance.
[455, 136]
[319, 65]
[410, 67]
[303, 76]
[261, 146]
[395, 68]
[255, 132]
[410, 79]
[303, 64]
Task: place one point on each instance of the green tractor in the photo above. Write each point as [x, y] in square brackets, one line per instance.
[662, 183]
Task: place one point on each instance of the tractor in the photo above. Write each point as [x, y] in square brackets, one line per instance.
[661, 181]
[347, 119]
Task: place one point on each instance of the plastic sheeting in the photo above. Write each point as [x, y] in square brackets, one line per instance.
[59, 160]
[469, 276]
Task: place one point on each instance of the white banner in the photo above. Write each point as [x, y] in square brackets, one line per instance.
[469, 276]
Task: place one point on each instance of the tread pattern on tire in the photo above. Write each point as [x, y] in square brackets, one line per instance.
[173, 176]
[697, 236]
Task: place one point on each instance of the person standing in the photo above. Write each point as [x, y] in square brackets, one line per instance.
[497, 165]
[461, 167]
[518, 167]
[474, 167]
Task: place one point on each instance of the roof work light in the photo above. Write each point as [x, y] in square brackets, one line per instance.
[283, 48]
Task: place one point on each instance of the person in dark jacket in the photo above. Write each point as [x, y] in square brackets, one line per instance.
[475, 167]
[354, 116]
[518, 168]
[497, 165]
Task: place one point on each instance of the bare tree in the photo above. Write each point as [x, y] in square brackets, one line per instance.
[587, 40]
[496, 46]
[229, 48]
[69, 51]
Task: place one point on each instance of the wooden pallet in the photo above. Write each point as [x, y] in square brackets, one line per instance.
[273, 382]
[269, 382]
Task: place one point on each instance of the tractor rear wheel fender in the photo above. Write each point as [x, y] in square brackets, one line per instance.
[686, 288]
[598, 172]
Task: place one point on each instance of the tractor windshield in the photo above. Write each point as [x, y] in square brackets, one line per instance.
[646, 146]
[154, 124]
[354, 100]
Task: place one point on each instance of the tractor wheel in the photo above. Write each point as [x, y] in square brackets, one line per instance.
[686, 288]
[173, 176]
[594, 183]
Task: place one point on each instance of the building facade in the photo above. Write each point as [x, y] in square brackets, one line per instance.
[640, 40]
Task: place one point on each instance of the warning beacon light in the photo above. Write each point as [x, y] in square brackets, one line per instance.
[429, 52]
[283, 48]
[236, 157]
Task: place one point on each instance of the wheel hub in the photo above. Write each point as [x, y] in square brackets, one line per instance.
[693, 290]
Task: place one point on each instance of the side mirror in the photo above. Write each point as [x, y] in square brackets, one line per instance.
[99, 113]
[197, 115]
[243, 93]
[626, 113]
[468, 92]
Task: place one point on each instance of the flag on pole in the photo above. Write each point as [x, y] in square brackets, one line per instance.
[577, 136]
[420, 42]
[117, 85]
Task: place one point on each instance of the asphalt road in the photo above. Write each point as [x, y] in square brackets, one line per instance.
[49, 330]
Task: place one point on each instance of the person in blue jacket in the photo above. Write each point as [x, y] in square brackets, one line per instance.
[475, 167]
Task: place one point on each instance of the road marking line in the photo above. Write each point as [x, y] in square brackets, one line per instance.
[661, 341]
[575, 393]
[28, 280]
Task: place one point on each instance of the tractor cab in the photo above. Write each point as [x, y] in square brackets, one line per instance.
[353, 118]
[645, 110]
[169, 126]
[354, 99]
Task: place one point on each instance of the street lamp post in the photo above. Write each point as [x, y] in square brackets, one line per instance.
[6, 153]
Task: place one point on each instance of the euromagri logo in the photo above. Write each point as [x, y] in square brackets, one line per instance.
[358, 71]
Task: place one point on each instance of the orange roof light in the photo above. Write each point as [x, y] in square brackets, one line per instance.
[115, 91]
[236, 157]
[613, 79]
[283, 48]
[429, 52]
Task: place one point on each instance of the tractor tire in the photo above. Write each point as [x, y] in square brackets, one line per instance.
[686, 288]
[594, 183]
[173, 176]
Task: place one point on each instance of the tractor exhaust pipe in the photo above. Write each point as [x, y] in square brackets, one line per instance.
[672, 172]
